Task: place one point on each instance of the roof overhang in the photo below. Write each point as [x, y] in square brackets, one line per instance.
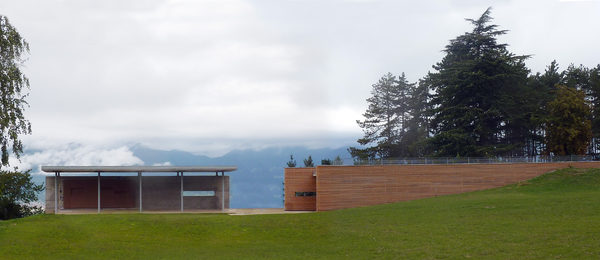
[139, 168]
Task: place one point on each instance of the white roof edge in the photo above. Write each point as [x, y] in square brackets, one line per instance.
[139, 168]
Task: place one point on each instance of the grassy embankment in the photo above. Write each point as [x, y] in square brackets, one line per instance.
[556, 215]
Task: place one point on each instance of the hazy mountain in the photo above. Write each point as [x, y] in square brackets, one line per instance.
[258, 182]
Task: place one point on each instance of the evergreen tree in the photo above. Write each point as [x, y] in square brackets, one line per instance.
[577, 78]
[542, 90]
[417, 130]
[385, 120]
[362, 155]
[291, 163]
[588, 81]
[325, 162]
[475, 85]
[594, 97]
[309, 162]
[569, 127]
[338, 161]
[552, 76]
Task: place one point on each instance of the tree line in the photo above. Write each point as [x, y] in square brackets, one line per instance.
[308, 162]
[481, 100]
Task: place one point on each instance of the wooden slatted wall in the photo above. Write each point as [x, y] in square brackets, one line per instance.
[341, 187]
[299, 180]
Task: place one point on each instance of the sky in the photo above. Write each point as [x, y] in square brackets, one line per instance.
[212, 76]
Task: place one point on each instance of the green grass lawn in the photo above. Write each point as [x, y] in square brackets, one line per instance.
[556, 215]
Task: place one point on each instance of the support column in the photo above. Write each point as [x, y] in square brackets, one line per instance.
[181, 191]
[140, 182]
[55, 192]
[98, 192]
[223, 191]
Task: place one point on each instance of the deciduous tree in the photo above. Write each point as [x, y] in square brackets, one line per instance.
[569, 126]
[17, 189]
[13, 87]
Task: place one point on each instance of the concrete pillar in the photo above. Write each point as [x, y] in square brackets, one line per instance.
[181, 190]
[98, 192]
[223, 191]
[140, 182]
[56, 192]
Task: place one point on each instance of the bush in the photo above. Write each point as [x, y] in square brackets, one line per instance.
[17, 192]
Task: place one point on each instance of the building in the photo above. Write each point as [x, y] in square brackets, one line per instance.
[143, 188]
[337, 187]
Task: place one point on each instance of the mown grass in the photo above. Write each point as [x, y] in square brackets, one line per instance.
[556, 215]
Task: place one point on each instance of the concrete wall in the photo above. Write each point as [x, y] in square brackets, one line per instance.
[206, 183]
[341, 187]
[49, 194]
[163, 192]
[158, 192]
[299, 180]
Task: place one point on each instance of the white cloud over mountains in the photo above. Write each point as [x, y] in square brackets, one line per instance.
[77, 155]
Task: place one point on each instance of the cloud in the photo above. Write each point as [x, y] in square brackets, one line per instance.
[77, 155]
[210, 76]
[162, 164]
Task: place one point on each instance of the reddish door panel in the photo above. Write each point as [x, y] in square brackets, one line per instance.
[80, 193]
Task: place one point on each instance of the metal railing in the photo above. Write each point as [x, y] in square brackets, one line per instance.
[472, 160]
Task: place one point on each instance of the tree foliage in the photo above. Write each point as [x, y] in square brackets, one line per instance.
[482, 101]
[17, 191]
[13, 84]
[569, 127]
[308, 162]
[387, 120]
[476, 85]
[594, 99]
[338, 161]
[292, 162]
[541, 89]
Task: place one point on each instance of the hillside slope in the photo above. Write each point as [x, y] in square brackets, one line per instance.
[552, 216]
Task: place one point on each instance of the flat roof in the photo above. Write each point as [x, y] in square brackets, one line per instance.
[139, 168]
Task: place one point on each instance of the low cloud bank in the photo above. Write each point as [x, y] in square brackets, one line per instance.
[71, 155]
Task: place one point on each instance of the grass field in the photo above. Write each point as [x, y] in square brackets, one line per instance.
[556, 215]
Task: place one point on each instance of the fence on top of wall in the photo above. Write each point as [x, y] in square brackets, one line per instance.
[468, 160]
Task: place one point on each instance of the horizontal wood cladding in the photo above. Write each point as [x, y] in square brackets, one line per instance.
[299, 180]
[341, 187]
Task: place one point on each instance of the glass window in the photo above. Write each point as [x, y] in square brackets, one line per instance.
[306, 194]
[199, 193]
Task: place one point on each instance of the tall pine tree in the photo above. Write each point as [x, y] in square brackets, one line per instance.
[473, 84]
[541, 90]
[385, 120]
[594, 94]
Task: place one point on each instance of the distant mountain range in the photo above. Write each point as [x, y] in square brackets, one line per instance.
[258, 182]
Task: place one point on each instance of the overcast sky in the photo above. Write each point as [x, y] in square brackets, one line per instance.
[211, 76]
